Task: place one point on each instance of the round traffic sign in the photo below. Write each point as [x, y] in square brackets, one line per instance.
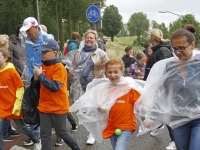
[93, 13]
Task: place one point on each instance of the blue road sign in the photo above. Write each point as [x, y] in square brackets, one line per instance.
[93, 13]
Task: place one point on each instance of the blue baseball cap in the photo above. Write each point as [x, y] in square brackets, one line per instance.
[49, 44]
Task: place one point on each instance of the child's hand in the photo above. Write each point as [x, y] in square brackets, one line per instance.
[148, 122]
[37, 71]
[100, 109]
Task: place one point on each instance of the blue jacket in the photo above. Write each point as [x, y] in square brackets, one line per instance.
[34, 57]
[72, 45]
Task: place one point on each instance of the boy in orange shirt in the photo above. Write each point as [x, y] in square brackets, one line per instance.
[53, 103]
[114, 108]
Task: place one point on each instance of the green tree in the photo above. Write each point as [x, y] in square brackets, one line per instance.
[112, 21]
[138, 24]
[187, 19]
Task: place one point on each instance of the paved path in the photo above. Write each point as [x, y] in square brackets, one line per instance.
[144, 142]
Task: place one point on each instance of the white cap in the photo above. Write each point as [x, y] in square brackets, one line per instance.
[29, 22]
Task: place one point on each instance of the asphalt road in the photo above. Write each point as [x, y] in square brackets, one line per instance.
[144, 142]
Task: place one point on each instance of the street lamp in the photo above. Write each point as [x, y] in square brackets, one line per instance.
[173, 14]
[78, 25]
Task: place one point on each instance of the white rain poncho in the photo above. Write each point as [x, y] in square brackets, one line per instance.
[101, 92]
[171, 94]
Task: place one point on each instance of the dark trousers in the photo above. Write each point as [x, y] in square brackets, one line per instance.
[71, 119]
[59, 123]
[6, 127]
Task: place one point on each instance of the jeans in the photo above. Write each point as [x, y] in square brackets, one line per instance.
[187, 136]
[6, 127]
[37, 130]
[59, 123]
[22, 128]
[120, 142]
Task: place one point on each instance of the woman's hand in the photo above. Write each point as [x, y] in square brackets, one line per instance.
[148, 122]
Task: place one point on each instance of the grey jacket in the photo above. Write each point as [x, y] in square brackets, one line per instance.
[18, 53]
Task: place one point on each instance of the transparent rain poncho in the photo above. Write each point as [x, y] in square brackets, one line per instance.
[101, 93]
[171, 94]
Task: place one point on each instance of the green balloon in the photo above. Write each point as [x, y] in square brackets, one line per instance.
[118, 132]
[138, 71]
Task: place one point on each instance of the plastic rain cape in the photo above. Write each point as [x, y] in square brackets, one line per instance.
[171, 93]
[101, 92]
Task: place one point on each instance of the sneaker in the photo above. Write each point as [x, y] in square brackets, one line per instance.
[171, 146]
[8, 138]
[14, 133]
[58, 141]
[28, 142]
[90, 140]
[37, 146]
[155, 131]
[74, 127]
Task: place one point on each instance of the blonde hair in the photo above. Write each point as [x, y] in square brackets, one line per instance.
[115, 61]
[3, 40]
[93, 32]
[140, 55]
[5, 53]
[157, 35]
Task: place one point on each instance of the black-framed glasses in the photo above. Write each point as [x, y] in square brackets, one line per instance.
[181, 48]
[44, 52]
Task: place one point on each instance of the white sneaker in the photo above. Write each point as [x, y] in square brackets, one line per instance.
[171, 146]
[37, 146]
[90, 139]
[155, 131]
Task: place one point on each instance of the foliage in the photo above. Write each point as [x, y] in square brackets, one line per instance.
[162, 27]
[186, 19]
[123, 32]
[112, 21]
[138, 24]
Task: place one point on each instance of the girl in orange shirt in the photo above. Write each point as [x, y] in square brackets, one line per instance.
[114, 108]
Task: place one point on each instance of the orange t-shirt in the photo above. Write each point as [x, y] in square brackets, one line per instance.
[10, 81]
[147, 58]
[54, 102]
[121, 115]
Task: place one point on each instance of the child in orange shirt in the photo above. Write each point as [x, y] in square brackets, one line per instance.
[12, 90]
[114, 108]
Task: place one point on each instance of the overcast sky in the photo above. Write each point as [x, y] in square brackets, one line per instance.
[152, 7]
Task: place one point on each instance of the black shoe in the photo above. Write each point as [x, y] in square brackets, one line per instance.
[58, 141]
[8, 138]
[28, 142]
[14, 133]
[74, 127]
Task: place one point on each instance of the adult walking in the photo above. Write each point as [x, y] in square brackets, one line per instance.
[161, 50]
[88, 63]
[174, 96]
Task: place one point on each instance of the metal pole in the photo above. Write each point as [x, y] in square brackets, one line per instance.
[57, 21]
[38, 16]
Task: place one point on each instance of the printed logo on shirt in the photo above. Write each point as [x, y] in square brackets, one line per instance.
[3, 87]
[120, 101]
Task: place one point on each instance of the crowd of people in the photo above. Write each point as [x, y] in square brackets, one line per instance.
[158, 86]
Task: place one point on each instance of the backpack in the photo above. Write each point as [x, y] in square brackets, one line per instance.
[29, 105]
[66, 50]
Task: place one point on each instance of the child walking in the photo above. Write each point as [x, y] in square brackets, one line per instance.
[137, 70]
[105, 114]
[128, 59]
[12, 90]
[53, 103]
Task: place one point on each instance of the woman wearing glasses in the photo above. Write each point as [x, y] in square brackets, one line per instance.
[174, 97]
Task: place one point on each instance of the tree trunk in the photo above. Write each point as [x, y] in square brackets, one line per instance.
[112, 38]
[61, 37]
[138, 39]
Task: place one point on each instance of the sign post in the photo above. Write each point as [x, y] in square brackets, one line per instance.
[93, 15]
